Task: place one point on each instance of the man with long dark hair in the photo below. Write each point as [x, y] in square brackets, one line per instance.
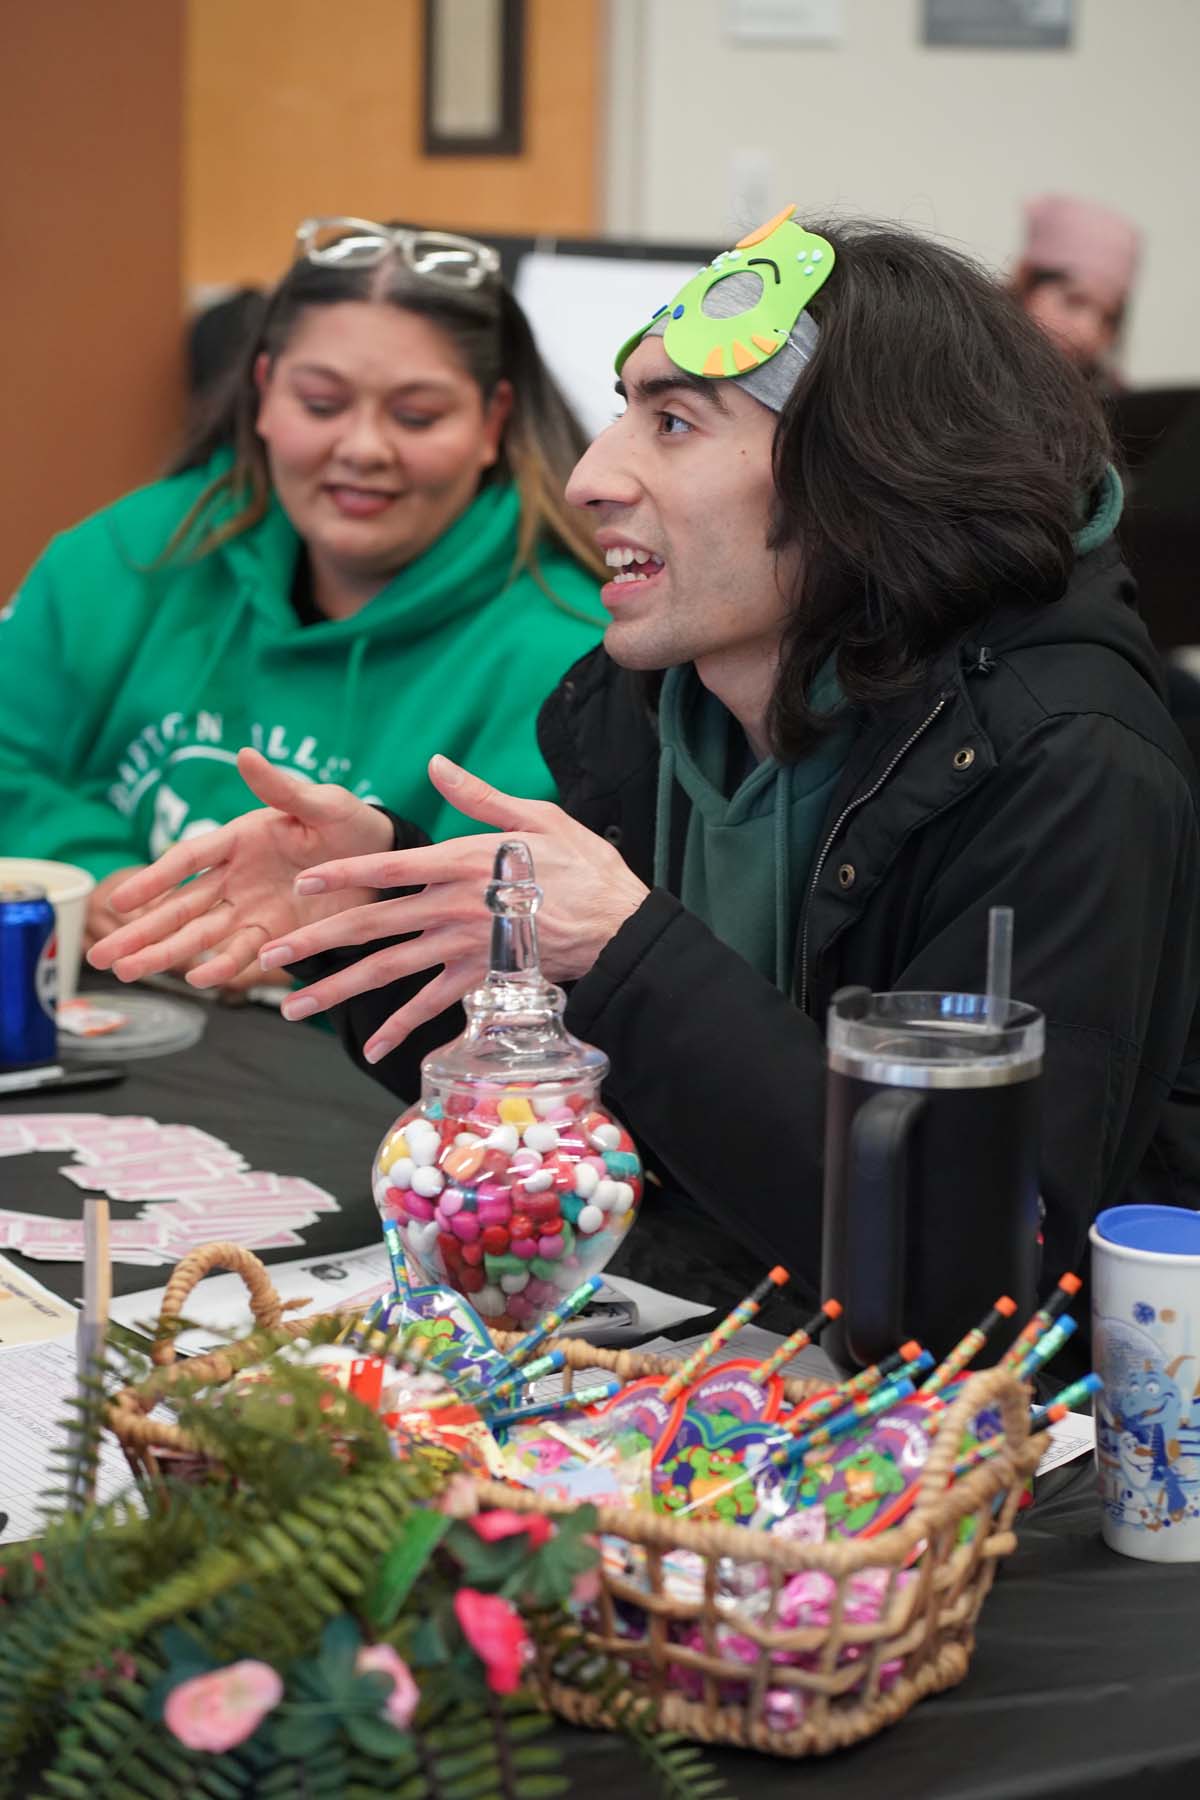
[887, 675]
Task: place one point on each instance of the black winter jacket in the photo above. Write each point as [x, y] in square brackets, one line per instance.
[1036, 768]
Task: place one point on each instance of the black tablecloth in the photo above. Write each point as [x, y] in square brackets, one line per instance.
[285, 1096]
[1086, 1678]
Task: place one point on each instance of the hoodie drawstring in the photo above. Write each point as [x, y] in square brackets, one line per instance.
[784, 948]
[662, 816]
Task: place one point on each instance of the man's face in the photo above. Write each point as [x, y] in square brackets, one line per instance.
[682, 480]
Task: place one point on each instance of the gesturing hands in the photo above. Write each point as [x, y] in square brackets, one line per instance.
[589, 892]
[243, 894]
[298, 876]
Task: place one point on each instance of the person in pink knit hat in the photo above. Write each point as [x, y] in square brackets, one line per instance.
[1075, 276]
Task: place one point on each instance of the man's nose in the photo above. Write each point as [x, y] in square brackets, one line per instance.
[602, 476]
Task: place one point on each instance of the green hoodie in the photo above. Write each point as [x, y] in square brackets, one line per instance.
[127, 685]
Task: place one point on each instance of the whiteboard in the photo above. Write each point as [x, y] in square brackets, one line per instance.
[581, 309]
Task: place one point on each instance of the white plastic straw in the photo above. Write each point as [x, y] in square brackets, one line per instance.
[999, 966]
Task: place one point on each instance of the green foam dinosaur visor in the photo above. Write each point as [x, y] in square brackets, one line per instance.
[733, 317]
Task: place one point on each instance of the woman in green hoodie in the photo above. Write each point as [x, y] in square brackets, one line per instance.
[364, 556]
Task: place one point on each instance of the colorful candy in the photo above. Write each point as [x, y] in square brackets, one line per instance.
[511, 1193]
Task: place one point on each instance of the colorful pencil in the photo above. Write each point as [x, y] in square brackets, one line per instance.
[1041, 1322]
[575, 1401]
[811, 1412]
[394, 1245]
[553, 1321]
[1048, 1345]
[1039, 1419]
[1083, 1389]
[799, 1340]
[741, 1315]
[969, 1346]
[868, 1406]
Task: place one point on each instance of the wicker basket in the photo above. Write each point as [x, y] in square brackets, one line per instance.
[933, 1569]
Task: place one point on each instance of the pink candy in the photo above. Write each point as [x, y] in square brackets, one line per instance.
[418, 1207]
[465, 1226]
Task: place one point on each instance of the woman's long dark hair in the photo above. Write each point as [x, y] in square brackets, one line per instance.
[935, 459]
[542, 440]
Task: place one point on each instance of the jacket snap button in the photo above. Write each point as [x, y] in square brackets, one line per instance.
[613, 833]
[964, 758]
[847, 875]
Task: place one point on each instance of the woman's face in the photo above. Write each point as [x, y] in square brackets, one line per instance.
[1080, 321]
[376, 435]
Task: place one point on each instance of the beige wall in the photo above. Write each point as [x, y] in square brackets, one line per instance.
[313, 106]
[90, 100]
[947, 141]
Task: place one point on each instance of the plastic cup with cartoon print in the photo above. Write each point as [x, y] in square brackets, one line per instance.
[67, 889]
[1146, 1348]
[509, 1179]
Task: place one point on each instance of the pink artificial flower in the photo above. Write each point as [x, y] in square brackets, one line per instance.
[493, 1629]
[215, 1712]
[500, 1523]
[401, 1703]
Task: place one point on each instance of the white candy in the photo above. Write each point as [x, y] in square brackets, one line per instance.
[401, 1173]
[467, 1137]
[504, 1137]
[624, 1199]
[541, 1138]
[419, 1128]
[512, 1284]
[586, 1180]
[489, 1300]
[590, 1219]
[606, 1195]
[605, 1137]
[423, 1237]
[379, 1187]
[546, 1103]
[428, 1182]
[539, 1181]
[424, 1149]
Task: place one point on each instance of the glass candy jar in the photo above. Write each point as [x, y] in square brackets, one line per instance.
[509, 1179]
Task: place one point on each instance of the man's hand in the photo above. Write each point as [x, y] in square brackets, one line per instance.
[242, 894]
[589, 892]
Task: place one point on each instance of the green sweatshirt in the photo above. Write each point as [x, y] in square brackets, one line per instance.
[126, 687]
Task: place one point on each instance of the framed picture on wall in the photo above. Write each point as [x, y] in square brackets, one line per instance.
[474, 64]
[1000, 24]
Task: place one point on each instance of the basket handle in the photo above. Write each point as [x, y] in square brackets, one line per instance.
[989, 1387]
[265, 1303]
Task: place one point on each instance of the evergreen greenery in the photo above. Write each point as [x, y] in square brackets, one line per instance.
[306, 1541]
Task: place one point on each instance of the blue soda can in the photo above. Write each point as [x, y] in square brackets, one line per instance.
[28, 978]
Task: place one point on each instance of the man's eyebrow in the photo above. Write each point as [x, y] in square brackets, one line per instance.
[654, 387]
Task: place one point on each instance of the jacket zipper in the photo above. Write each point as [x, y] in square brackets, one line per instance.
[852, 806]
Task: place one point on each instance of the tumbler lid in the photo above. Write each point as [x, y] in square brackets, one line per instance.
[933, 1040]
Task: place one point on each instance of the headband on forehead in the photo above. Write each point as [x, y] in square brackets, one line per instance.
[736, 314]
